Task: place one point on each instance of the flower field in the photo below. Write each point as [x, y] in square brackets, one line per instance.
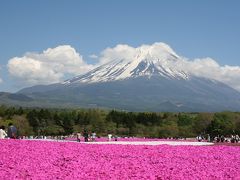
[22, 159]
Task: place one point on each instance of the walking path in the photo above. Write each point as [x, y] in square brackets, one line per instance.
[154, 143]
[174, 143]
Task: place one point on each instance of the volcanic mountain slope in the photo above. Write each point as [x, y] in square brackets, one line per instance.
[144, 63]
[149, 80]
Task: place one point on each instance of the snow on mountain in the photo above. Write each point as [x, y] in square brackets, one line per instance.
[148, 78]
[145, 62]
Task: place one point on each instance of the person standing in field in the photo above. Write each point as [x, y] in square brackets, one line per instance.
[78, 137]
[93, 136]
[109, 137]
[85, 135]
[3, 134]
[208, 138]
[12, 131]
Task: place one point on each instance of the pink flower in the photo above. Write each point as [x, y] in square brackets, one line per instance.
[22, 159]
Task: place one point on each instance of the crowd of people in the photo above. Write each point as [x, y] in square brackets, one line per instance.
[91, 137]
[11, 133]
[86, 136]
[233, 138]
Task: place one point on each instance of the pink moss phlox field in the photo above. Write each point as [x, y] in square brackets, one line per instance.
[22, 159]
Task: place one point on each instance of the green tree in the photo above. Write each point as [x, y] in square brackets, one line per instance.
[220, 125]
[33, 120]
[201, 122]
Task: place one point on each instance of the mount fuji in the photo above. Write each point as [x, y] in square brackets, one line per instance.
[149, 80]
[144, 63]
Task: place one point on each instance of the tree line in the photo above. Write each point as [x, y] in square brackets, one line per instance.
[36, 121]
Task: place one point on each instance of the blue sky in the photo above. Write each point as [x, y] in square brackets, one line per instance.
[194, 29]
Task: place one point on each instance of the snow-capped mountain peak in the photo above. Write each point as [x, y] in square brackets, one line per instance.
[147, 78]
[156, 60]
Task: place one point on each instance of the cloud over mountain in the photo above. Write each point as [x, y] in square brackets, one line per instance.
[50, 66]
[123, 51]
[209, 68]
[204, 67]
[54, 64]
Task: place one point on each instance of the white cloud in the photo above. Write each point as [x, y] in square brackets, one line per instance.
[205, 67]
[209, 68]
[47, 67]
[93, 56]
[53, 64]
[126, 52]
[121, 51]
